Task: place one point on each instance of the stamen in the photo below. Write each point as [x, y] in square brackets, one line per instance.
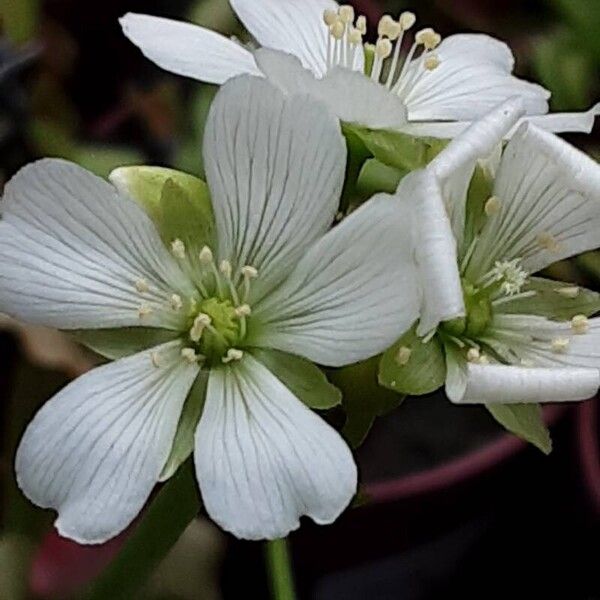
[190, 355]
[201, 322]
[571, 291]
[383, 48]
[243, 311]
[492, 206]
[178, 248]
[141, 285]
[548, 242]
[144, 310]
[337, 30]
[483, 360]
[361, 24]
[429, 38]
[473, 355]
[225, 268]
[525, 362]
[176, 302]
[232, 354]
[580, 324]
[249, 272]
[560, 345]
[431, 62]
[346, 13]
[330, 17]
[407, 20]
[403, 355]
[510, 273]
[155, 358]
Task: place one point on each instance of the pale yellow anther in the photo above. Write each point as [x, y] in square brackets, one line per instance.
[243, 310]
[431, 62]
[206, 255]
[355, 36]
[141, 285]
[232, 354]
[403, 355]
[407, 20]
[337, 30]
[346, 13]
[548, 242]
[178, 248]
[190, 355]
[560, 345]
[492, 206]
[144, 310]
[330, 17]
[225, 268]
[384, 24]
[176, 302]
[361, 24]
[580, 324]
[428, 37]
[198, 327]
[483, 360]
[571, 291]
[525, 362]
[155, 358]
[473, 355]
[383, 48]
[249, 272]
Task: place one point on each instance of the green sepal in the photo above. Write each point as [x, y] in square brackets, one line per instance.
[178, 203]
[363, 398]
[304, 379]
[376, 177]
[122, 341]
[549, 303]
[183, 443]
[525, 421]
[424, 370]
[396, 149]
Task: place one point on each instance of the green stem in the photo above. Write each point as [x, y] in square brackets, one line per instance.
[279, 569]
[160, 527]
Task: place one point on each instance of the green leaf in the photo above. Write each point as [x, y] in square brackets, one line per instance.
[304, 379]
[160, 526]
[183, 444]
[363, 398]
[122, 341]
[376, 177]
[178, 203]
[412, 367]
[548, 302]
[396, 149]
[525, 421]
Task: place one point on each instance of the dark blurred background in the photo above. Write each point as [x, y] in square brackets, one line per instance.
[450, 507]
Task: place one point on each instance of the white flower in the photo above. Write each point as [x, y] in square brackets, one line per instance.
[77, 253]
[316, 46]
[476, 259]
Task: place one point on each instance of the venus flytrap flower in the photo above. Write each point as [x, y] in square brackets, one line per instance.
[434, 88]
[508, 337]
[78, 253]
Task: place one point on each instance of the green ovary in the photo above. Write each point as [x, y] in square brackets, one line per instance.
[479, 314]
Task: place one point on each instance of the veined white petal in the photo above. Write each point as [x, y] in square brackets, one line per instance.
[474, 76]
[455, 164]
[275, 168]
[188, 49]
[349, 95]
[263, 459]
[290, 26]
[95, 451]
[550, 204]
[582, 122]
[507, 384]
[434, 248]
[351, 295]
[541, 342]
[72, 252]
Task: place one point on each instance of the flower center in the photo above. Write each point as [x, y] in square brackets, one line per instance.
[398, 73]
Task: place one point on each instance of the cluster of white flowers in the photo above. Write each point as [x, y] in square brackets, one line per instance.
[79, 253]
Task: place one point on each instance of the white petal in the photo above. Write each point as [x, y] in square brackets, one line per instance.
[550, 195]
[455, 164]
[290, 26]
[582, 122]
[473, 77]
[95, 451]
[187, 49]
[531, 340]
[505, 384]
[351, 295]
[349, 95]
[434, 248]
[263, 459]
[72, 250]
[275, 168]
